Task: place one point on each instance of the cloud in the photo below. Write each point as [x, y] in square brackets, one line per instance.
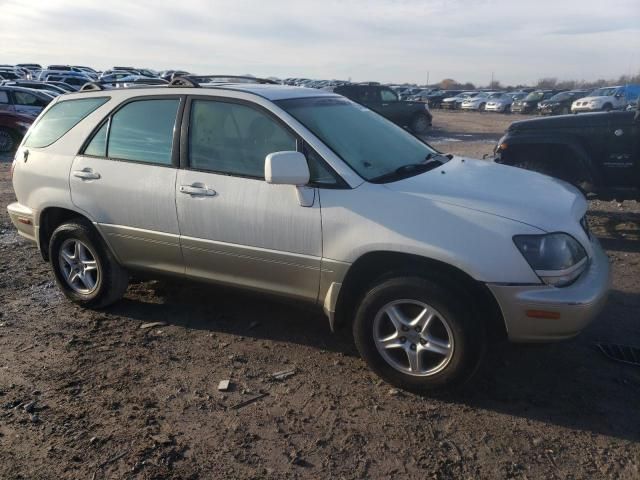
[386, 40]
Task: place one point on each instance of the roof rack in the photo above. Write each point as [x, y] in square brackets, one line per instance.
[194, 81]
[101, 85]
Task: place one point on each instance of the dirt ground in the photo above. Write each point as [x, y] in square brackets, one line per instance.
[92, 395]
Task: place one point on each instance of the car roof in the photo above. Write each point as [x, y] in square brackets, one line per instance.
[268, 91]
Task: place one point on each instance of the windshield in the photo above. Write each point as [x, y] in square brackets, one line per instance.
[535, 96]
[602, 92]
[370, 144]
[561, 96]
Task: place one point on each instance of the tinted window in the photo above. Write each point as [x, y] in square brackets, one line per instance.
[59, 119]
[143, 131]
[232, 138]
[25, 98]
[388, 96]
[98, 145]
[4, 98]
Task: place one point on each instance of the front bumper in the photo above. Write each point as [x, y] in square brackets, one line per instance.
[23, 218]
[574, 306]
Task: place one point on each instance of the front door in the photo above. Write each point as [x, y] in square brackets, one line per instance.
[235, 228]
[622, 163]
[125, 181]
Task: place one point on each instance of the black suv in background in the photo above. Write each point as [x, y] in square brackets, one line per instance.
[560, 103]
[413, 115]
[530, 103]
[594, 152]
[434, 99]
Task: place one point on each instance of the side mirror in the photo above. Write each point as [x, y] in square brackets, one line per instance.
[286, 168]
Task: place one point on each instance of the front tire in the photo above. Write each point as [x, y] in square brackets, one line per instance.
[8, 140]
[420, 124]
[418, 335]
[84, 268]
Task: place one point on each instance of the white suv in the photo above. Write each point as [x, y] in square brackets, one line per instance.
[305, 194]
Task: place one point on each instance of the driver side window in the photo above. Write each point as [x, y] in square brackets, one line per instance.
[234, 139]
[388, 96]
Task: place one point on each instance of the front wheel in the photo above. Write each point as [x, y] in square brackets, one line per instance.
[420, 124]
[8, 140]
[84, 268]
[418, 335]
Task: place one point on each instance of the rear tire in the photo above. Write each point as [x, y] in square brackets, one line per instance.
[8, 140]
[420, 124]
[481, 107]
[84, 268]
[561, 170]
[418, 335]
[607, 107]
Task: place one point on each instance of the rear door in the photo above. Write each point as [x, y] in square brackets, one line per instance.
[125, 178]
[236, 228]
[27, 103]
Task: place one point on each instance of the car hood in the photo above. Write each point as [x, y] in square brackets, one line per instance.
[597, 119]
[527, 197]
[591, 99]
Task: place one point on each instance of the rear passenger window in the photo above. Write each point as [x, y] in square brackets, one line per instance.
[4, 98]
[234, 139]
[143, 131]
[98, 145]
[59, 119]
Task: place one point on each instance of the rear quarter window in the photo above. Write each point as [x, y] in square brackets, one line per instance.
[61, 118]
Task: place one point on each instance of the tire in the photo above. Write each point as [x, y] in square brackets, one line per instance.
[607, 107]
[420, 124]
[84, 268]
[8, 140]
[507, 109]
[576, 177]
[460, 340]
[565, 111]
[481, 107]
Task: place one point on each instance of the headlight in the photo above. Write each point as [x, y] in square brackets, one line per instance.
[557, 258]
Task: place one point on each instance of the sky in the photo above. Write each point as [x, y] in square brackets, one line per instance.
[397, 41]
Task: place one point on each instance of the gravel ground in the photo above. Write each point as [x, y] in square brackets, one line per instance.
[95, 395]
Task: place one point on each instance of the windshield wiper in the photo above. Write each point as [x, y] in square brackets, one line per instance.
[409, 170]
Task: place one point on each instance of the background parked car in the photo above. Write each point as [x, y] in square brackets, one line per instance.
[593, 152]
[606, 99]
[560, 103]
[455, 102]
[499, 102]
[414, 115]
[23, 100]
[36, 85]
[13, 127]
[434, 99]
[479, 102]
[530, 103]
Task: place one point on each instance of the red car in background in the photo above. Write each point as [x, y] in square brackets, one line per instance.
[13, 126]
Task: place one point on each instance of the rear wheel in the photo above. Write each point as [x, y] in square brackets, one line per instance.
[8, 140]
[418, 335]
[507, 109]
[420, 124]
[481, 107]
[564, 167]
[607, 107]
[84, 268]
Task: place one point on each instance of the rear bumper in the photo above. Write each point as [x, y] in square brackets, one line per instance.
[23, 218]
[574, 306]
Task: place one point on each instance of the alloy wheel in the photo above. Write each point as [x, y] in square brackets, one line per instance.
[79, 267]
[413, 337]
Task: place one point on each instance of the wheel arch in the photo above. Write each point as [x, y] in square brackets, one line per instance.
[572, 144]
[377, 265]
[51, 218]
